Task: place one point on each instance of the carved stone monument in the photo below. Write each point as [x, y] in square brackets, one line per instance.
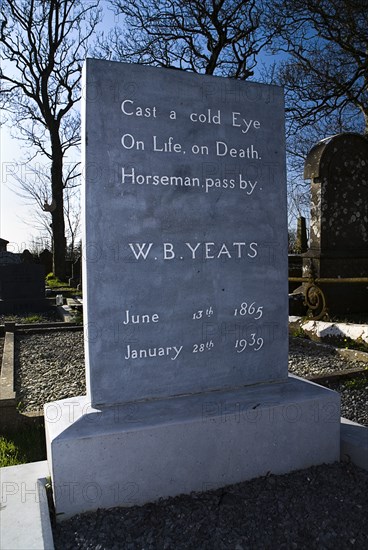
[185, 296]
[338, 170]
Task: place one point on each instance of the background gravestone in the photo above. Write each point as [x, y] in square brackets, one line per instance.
[75, 279]
[27, 257]
[301, 244]
[45, 259]
[338, 169]
[3, 244]
[22, 285]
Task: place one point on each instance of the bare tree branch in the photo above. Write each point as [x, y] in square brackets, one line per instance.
[214, 37]
[326, 72]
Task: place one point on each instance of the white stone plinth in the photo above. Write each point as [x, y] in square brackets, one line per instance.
[136, 453]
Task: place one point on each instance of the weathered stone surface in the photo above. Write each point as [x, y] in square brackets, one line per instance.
[185, 221]
[143, 451]
[338, 169]
[22, 287]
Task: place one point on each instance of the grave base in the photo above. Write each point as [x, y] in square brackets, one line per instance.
[135, 453]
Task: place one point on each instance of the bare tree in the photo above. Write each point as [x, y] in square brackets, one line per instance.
[38, 244]
[326, 72]
[32, 183]
[72, 212]
[43, 45]
[220, 37]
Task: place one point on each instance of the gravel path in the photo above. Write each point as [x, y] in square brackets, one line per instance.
[323, 507]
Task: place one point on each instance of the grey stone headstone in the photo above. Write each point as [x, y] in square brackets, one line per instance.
[45, 259]
[7, 258]
[76, 269]
[301, 236]
[27, 257]
[22, 282]
[3, 245]
[185, 239]
[338, 170]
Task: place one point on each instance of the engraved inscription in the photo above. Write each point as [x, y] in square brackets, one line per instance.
[146, 353]
[136, 319]
[186, 216]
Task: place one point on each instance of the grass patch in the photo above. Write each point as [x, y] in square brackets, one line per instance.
[10, 454]
[346, 343]
[298, 333]
[47, 316]
[55, 284]
[26, 445]
[78, 319]
[32, 319]
[357, 383]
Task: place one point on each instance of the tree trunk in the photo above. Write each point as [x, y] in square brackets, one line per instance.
[58, 225]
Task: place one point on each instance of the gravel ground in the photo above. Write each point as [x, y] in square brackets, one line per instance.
[354, 399]
[309, 359]
[323, 507]
[48, 367]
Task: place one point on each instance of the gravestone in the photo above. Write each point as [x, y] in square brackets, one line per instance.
[22, 285]
[185, 296]
[301, 244]
[338, 170]
[3, 245]
[68, 268]
[76, 273]
[45, 259]
[27, 257]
